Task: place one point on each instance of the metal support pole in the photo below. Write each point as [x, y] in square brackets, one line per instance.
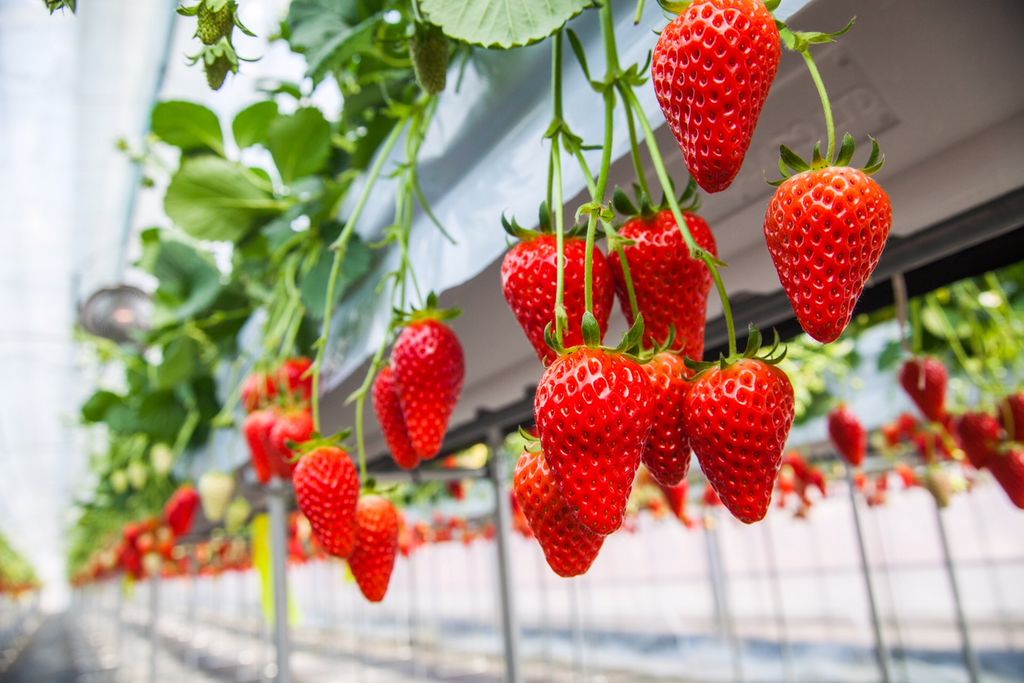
[279, 564]
[503, 514]
[881, 652]
[154, 633]
[720, 593]
[780, 605]
[970, 656]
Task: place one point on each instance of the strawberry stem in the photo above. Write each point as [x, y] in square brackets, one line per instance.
[340, 246]
[634, 145]
[556, 201]
[826, 105]
[696, 251]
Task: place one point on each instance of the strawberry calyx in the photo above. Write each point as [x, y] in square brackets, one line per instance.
[336, 440]
[791, 163]
[631, 344]
[430, 311]
[801, 41]
[544, 227]
[772, 356]
[641, 205]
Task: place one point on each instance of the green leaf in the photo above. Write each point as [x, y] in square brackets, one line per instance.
[313, 287]
[179, 362]
[187, 125]
[214, 199]
[252, 125]
[160, 415]
[300, 143]
[190, 283]
[97, 405]
[501, 23]
[331, 32]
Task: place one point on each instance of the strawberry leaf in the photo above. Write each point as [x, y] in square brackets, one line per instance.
[500, 23]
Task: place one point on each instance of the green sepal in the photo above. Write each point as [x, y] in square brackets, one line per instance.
[531, 439]
[544, 217]
[189, 11]
[552, 340]
[817, 161]
[792, 160]
[845, 151]
[591, 330]
[800, 41]
[623, 204]
[632, 341]
[581, 54]
[674, 6]
[772, 5]
[430, 311]
[317, 441]
[876, 159]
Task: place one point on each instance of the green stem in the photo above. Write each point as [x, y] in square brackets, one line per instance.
[626, 274]
[639, 12]
[340, 246]
[830, 125]
[555, 199]
[634, 145]
[602, 183]
[696, 251]
[361, 394]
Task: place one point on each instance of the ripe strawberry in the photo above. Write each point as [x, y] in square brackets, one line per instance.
[907, 476]
[569, 547]
[429, 368]
[293, 375]
[529, 275]
[292, 426]
[327, 489]
[671, 288]
[711, 497]
[257, 434]
[848, 435]
[258, 391]
[1011, 416]
[712, 69]
[180, 510]
[738, 419]
[925, 380]
[826, 229]
[373, 557]
[979, 435]
[594, 413]
[667, 451]
[1008, 470]
[675, 497]
[392, 422]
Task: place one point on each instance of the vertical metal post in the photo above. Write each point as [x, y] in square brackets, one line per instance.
[970, 656]
[279, 564]
[881, 653]
[780, 605]
[154, 633]
[720, 593]
[503, 514]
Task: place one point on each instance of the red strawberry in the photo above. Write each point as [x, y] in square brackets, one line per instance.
[594, 413]
[979, 435]
[667, 452]
[671, 288]
[738, 419]
[528, 279]
[1011, 416]
[925, 380]
[675, 496]
[711, 497]
[292, 426]
[392, 422]
[826, 229]
[1008, 470]
[848, 435]
[429, 368]
[258, 390]
[180, 510]
[712, 69]
[569, 547]
[907, 476]
[327, 489]
[293, 375]
[373, 557]
[257, 433]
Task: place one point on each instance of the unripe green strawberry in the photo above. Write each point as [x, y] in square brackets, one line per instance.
[217, 71]
[428, 49]
[214, 22]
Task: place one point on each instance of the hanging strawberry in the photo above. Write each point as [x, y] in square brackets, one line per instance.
[429, 369]
[925, 380]
[712, 69]
[848, 434]
[392, 423]
[373, 557]
[667, 451]
[529, 274]
[327, 489]
[670, 286]
[738, 413]
[594, 413]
